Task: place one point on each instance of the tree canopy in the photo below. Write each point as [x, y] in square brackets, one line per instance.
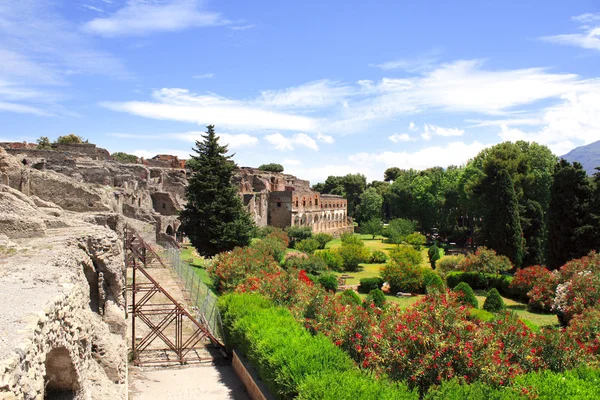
[271, 167]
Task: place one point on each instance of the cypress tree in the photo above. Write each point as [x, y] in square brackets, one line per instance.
[503, 225]
[214, 217]
[570, 231]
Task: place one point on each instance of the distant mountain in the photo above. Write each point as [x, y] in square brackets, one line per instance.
[588, 156]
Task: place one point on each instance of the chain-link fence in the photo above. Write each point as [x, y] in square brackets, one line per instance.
[203, 299]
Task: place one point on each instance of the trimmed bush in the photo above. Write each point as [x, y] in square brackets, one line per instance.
[377, 297]
[448, 264]
[432, 281]
[353, 255]
[378, 257]
[466, 294]
[308, 246]
[332, 258]
[323, 239]
[416, 240]
[406, 255]
[494, 302]
[328, 281]
[310, 264]
[485, 282]
[481, 315]
[368, 284]
[349, 296]
[403, 277]
[434, 253]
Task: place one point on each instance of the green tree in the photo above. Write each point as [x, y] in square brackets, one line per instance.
[391, 174]
[466, 294]
[372, 227]
[503, 225]
[124, 157]
[569, 228]
[398, 229]
[370, 205]
[416, 240]
[493, 301]
[43, 143]
[71, 138]
[214, 217]
[271, 167]
[434, 255]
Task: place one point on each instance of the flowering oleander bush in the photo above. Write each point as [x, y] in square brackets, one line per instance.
[485, 261]
[311, 264]
[539, 284]
[585, 330]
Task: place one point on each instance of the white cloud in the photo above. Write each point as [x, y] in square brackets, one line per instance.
[505, 121]
[589, 39]
[181, 105]
[232, 140]
[325, 138]
[280, 142]
[204, 76]
[143, 17]
[89, 7]
[574, 122]
[438, 130]
[243, 27]
[412, 127]
[455, 153]
[318, 94]
[400, 137]
[415, 64]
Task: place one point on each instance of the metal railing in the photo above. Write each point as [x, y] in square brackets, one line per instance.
[202, 298]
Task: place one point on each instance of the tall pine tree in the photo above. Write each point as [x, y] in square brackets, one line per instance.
[214, 217]
[503, 226]
[569, 228]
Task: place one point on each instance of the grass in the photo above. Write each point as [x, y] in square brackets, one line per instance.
[521, 310]
[189, 255]
[402, 302]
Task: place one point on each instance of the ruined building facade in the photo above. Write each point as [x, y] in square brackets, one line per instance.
[283, 200]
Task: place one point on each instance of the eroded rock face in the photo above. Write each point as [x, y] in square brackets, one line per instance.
[62, 304]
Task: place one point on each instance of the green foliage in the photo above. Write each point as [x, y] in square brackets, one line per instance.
[332, 259]
[328, 281]
[467, 296]
[349, 296]
[434, 255]
[263, 231]
[370, 205]
[448, 264]
[350, 186]
[493, 301]
[485, 261]
[297, 233]
[307, 246]
[398, 229]
[377, 297]
[372, 227]
[403, 277]
[350, 238]
[406, 255]
[124, 157]
[273, 246]
[353, 255]
[416, 240]
[481, 315]
[432, 281]
[323, 239]
[43, 143]
[485, 282]
[311, 264]
[391, 174]
[214, 218]
[271, 167]
[368, 284]
[70, 139]
[378, 257]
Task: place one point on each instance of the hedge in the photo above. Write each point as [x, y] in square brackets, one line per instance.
[292, 362]
[479, 281]
[368, 284]
[580, 383]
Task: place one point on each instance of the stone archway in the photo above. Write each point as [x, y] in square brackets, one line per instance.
[169, 230]
[297, 220]
[61, 381]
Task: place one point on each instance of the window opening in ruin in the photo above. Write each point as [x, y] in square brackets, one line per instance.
[303, 203]
[297, 203]
[139, 202]
[164, 205]
[278, 204]
[91, 275]
[133, 200]
[60, 381]
[316, 202]
[169, 230]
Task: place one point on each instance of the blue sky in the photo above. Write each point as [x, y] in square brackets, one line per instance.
[323, 87]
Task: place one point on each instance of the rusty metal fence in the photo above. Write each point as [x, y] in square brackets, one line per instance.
[202, 298]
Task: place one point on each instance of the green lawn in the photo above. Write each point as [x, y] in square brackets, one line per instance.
[402, 302]
[521, 310]
[189, 255]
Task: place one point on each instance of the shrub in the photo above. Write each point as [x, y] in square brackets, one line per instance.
[493, 301]
[466, 295]
[434, 253]
[377, 297]
[272, 244]
[484, 282]
[323, 239]
[406, 255]
[584, 328]
[353, 255]
[403, 277]
[416, 240]
[368, 284]
[481, 315]
[351, 239]
[485, 261]
[307, 246]
[124, 157]
[372, 227]
[349, 296]
[332, 258]
[448, 264]
[297, 233]
[310, 264]
[264, 231]
[538, 284]
[432, 281]
[328, 281]
[378, 257]
[271, 167]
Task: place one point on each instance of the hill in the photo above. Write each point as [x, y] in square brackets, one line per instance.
[588, 156]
